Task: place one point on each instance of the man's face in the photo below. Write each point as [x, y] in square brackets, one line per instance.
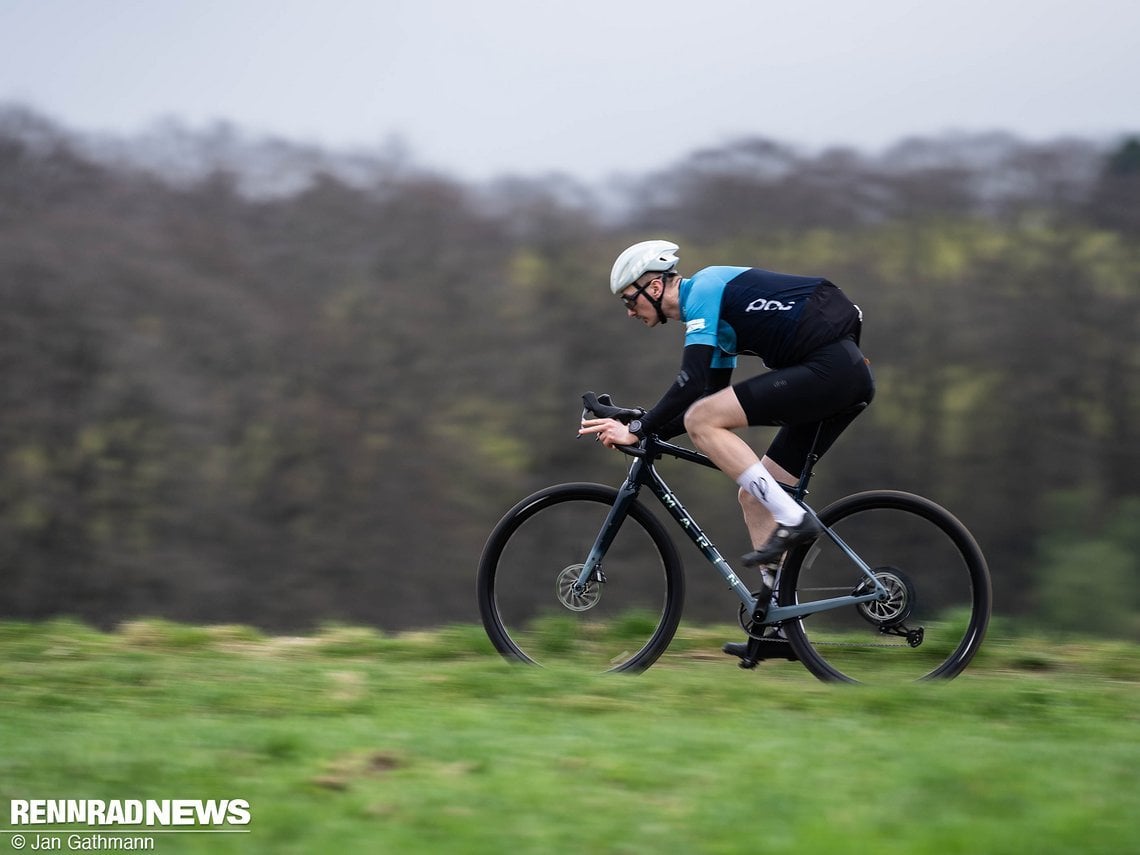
[635, 298]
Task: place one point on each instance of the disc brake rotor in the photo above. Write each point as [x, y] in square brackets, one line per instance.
[899, 603]
[577, 601]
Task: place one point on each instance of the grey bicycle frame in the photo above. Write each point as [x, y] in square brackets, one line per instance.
[643, 474]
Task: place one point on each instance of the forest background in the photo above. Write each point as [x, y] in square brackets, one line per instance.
[254, 381]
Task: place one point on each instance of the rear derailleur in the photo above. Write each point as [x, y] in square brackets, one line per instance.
[914, 637]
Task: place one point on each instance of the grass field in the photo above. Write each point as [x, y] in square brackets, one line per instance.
[352, 741]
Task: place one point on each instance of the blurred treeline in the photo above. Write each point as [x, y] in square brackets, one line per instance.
[253, 381]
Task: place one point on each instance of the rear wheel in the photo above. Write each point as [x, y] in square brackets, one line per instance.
[622, 621]
[938, 604]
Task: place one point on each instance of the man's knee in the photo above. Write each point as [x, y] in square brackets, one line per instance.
[700, 417]
[693, 420]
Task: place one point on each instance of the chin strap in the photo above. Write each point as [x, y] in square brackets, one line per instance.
[657, 303]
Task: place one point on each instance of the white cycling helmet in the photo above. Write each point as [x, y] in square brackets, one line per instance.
[645, 257]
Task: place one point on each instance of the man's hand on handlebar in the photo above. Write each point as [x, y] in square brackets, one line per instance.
[609, 432]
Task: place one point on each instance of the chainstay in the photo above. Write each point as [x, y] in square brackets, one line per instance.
[776, 639]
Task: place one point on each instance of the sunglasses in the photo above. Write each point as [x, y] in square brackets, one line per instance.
[630, 300]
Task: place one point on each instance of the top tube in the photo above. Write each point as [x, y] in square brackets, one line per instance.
[652, 448]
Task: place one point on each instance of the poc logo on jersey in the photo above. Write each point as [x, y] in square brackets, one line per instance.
[763, 305]
[695, 325]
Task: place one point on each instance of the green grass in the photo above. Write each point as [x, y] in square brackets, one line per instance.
[352, 740]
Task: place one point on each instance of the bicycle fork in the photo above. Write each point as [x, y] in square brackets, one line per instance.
[592, 568]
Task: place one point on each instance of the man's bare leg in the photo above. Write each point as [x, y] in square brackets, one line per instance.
[711, 424]
[758, 518]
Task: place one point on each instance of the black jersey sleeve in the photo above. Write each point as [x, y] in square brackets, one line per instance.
[696, 379]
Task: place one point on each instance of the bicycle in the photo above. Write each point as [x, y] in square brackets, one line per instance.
[894, 587]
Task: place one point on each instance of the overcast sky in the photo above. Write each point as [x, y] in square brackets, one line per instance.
[588, 87]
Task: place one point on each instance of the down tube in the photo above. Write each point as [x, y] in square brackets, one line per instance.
[684, 519]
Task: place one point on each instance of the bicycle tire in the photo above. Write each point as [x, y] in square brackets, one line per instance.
[544, 539]
[940, 584]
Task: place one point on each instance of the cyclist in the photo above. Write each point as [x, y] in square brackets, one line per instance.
[806, 331]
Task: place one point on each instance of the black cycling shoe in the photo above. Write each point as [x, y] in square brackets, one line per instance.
[747, 651]
[783, 539]
[756, 650]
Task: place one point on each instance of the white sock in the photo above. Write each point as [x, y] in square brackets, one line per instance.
[759, 482]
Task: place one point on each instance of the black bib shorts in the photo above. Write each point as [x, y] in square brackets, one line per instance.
[822, 389]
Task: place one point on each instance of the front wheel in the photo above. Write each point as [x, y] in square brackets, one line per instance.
[938, 605]
[622, 621]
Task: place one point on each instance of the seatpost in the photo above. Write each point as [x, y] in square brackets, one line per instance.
[809, 465]
[812, 457]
